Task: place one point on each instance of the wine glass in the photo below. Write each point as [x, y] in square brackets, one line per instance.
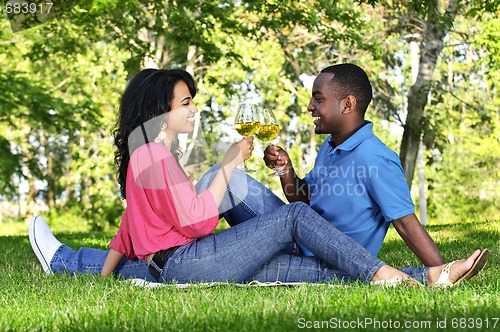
[246, 123]
[269, 130]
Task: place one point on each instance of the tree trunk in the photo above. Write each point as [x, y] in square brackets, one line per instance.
[70, 178]
[158, 56]
[30, 196]
[49, 175]
[422, 187]
[84, 181]
[430, 49]
[29, 208]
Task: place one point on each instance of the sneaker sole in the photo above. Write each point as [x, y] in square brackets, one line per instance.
[36, 249]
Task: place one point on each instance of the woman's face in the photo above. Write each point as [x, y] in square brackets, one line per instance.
[182, 115]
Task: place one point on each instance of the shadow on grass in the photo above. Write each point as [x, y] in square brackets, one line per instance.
[454, 237]
[455, 241]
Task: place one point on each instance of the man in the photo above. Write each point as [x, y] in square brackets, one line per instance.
[357, 183]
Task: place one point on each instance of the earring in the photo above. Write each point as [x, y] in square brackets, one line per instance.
[162, 137]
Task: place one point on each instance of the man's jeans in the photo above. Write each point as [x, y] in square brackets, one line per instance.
[245, 199]
[239, 253]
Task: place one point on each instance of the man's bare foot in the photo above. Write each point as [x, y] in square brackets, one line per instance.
[389, 276]
[454, 271]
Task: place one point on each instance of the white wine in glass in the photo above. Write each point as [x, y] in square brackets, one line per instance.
[246, 123]
[247, 129]
[269, 130]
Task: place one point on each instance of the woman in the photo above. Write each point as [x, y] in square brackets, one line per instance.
[170, 225]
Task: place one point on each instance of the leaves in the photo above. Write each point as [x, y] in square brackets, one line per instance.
[61, 85]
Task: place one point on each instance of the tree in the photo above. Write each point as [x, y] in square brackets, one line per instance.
[66, 78]
[462, 128]
[60, 94]
[434, 29]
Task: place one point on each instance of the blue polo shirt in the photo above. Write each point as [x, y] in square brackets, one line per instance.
[359, 187]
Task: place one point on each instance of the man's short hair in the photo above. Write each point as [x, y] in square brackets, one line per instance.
[349, 79]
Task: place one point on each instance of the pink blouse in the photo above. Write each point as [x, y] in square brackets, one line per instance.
[163, 208]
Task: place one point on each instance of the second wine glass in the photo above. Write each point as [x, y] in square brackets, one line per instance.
[269, 130]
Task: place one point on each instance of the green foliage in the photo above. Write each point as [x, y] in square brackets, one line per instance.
[60, 105]
[71, 219]
[477, 9]
[61, 84]
[488, 40]
[462, 130]
[10, 164]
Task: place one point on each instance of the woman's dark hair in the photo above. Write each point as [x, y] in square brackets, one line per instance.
[148, 95]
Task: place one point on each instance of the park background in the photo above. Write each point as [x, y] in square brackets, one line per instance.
[434, 66]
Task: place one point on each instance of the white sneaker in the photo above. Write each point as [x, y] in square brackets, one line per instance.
[43, 242]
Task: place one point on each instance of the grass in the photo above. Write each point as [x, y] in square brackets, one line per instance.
[33, 301]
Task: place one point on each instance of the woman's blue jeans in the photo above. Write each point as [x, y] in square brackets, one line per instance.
[260, 245]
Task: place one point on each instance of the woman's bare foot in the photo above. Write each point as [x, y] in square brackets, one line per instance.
[387, 275]
[452, 272]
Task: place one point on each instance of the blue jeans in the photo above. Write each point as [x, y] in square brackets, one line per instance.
[245, 199]
[240, 252]
[90, 261]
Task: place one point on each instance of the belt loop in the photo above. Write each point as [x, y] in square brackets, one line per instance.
[160, 259]
[155, 270]
[156, 267]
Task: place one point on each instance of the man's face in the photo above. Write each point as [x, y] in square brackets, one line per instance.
[324, 107]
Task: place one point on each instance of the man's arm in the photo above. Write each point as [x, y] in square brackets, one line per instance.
[418, 240]
[295, 189]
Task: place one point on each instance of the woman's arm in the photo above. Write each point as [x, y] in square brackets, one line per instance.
[193, 215]
[112, 260]
[237, 153]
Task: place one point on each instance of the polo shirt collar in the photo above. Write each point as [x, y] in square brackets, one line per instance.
[363, 133]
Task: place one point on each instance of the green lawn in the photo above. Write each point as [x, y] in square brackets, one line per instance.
[33, 301]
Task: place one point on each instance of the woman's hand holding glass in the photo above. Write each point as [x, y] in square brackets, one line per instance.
[239, 152]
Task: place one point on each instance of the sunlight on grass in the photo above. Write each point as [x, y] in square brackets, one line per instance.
[457, 233]
[13, 228]
[66, 226]
[92, 303]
